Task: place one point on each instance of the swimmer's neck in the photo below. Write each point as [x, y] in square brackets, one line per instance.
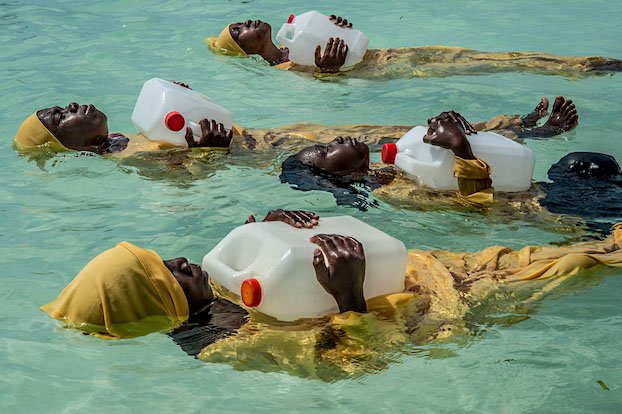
[272, 54]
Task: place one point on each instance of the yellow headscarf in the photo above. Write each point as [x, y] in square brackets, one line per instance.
[225, 44]
[32, 133]
[122, 293]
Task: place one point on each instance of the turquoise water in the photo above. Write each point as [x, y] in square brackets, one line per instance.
[54, 219]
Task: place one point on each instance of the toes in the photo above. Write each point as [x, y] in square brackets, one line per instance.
[573, 116]
[558, 103]
[570, 104]
[566, 106]
[543, 106]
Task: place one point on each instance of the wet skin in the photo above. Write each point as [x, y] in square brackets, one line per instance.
[342, 156]
[564, 117]
[342, 273]
[79, 127]
[334, 55]
[255, 38]
[541, 110]
[297, 218]
[449, 130]
[85, 128]
[213, 135]
[194, 282]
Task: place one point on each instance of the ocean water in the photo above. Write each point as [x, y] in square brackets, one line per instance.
[55, 216]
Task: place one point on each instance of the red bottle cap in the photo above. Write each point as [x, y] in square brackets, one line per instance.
[174, 121]
[291, 18]
[251, 292]
[389, 151]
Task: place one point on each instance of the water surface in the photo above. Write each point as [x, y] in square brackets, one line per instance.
[54, 219]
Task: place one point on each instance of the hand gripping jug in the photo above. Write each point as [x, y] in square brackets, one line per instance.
[270, 266]
[164, 110]
[301, 34]
[512, 163]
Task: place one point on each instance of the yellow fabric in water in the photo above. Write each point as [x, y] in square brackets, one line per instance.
[285, 65]
[474, 181]
[124, 292]
[32, 133]
[140, 143]
[225, 44]
[441, 289]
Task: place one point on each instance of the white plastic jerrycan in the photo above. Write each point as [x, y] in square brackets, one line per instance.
[512, 163]
[301, 34]
[270, 266]
[164, 110]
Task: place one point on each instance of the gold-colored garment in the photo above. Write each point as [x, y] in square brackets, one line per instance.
[285, 65]
[477, 194]
[32, 134]
[474, 188]
[441, 290]
[224, 44]
[294, 137]
[140, 143]
[474, 181]
[124, 292]
[297, 136]
[440, 61]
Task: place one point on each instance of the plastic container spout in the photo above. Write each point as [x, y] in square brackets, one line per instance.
[251, 292]
[174, 121]
[389, 151]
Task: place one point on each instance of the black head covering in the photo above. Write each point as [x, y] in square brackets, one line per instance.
[348, 191]
[586, 184]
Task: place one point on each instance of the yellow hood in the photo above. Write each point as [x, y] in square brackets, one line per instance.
[32, 133]
[225, 44]
[122, 293]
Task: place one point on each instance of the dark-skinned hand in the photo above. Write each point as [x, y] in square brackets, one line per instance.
[460, 120]
[334, 56]
[297, 218]
[446, 131]
[339, 264]
[339, 21]
[212, 135]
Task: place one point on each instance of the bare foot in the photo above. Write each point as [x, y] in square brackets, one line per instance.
[564, 115]
[540, 111]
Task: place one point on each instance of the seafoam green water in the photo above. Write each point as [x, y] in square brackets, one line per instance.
[53, 219]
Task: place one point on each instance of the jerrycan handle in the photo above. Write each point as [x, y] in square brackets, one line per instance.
[286, 29]
[236, 276]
